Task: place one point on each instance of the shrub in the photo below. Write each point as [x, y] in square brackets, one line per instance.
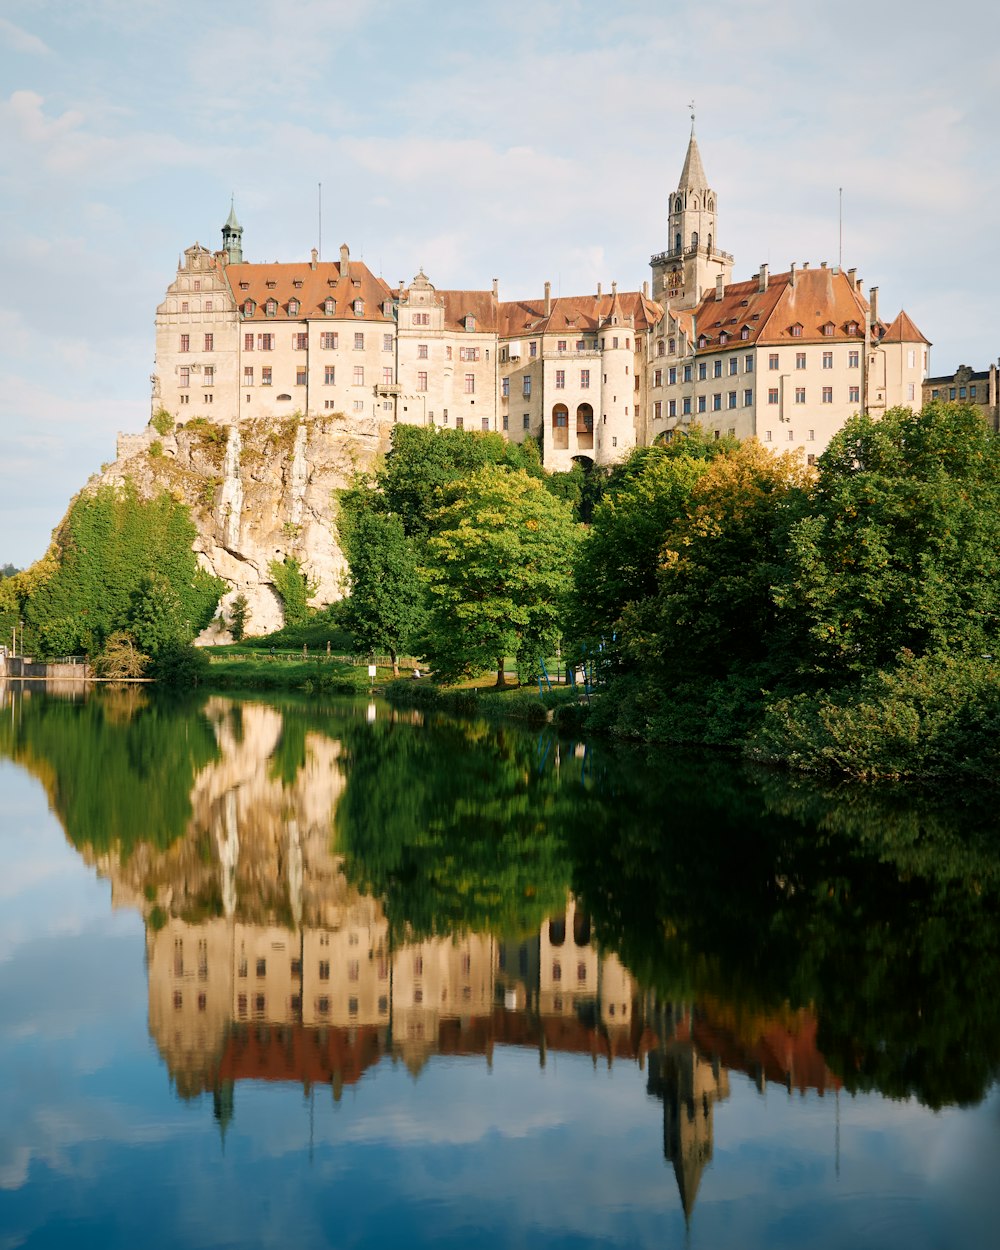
[162, 422]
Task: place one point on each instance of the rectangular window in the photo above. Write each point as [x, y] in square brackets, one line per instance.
[265, 342]
[359, 341]
[421, 351]
[800, 394]
[657, 410]
[951, 393]
[387, 342]
[910, 391]
[265, 375]
[470, 384]
[506, 421]
[767, 436]
[248, 375]
[328, 340]
[532, 349]
[210, 375]
[747, 398]
[748, 364]
[702, 402]
[657, 377]
[717, 369]
[527, 421]
[185, 342]
[686, 405]
[811, 436]
[911, 359]
[324, 970]
[800, 360]
[717, 402]
[505, 387]
[209, 342]
[329, 375]
[687, 373]
[262, 967]
[702, 370]
[791, 436]
[731, 399]
[468, 353]
[853, 359]
[248, 342]
[526, 388]
[460, 423]
[772, 395]
[561, 345]
[854, 394]
[358, 405]
[972, 392]
[584, 379]
[828, 360]
[580, 344]
[560, 379]
[185, 376]
[387, 376]
[672, 408]
[827, 394]
[301, 377]
[672, 376]
[359, 375]
[421, 319]
[300, 342]
[486, 424]
[772, 360]
[422, 381]
[734, 365]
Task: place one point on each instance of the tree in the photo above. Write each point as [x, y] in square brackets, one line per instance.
[239, 615]
[121, 659]
[498, 566]
[386, 605]
[8, 570]
[294, 589]
[900, 548]
[155, 615]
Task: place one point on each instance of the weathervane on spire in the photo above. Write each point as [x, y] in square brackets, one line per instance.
[691, 107]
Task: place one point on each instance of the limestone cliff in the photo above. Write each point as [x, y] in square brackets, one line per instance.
[258, 491]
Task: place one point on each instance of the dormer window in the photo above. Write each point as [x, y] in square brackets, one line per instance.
[359, 307]
[852, 327]
[745, 333]
[356, 282]
[828, 329]
[244, 286]
[470, 321]
[271, 284]
[796, 331]
[331, 282]
[329, 306]
[270, 308]
[297, 283]
[723, 338]
[249, 308]
[293, 308]
[702, 341]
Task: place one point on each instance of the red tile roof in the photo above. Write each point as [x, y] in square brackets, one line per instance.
[903, 330]
[261, 282]
[575, 314]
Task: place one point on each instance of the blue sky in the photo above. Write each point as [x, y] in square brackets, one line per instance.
[523, 141]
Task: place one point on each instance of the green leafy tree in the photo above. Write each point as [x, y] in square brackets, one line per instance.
[110, 540]
[239, 615]
[900, 548]
[386, 605]
[155, 615]
[8, 570]
[294, 589]
[121, 658]
[498, 565]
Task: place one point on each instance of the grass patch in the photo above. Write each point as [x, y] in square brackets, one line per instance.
[252, 672]
[488, 703]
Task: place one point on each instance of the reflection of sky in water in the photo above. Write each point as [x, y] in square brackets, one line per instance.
[95, 1149]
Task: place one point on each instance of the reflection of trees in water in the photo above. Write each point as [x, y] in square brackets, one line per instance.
[878, 911]
[755, 894]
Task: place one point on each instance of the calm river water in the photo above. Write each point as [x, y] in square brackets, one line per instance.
[293, 975]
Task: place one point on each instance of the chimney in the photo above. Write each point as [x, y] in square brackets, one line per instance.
[822, 264]
[548, 298]
[614, 289]
[598, 290]
[762, 279]
[852, 278]
[873, 304]
[720, 285]
[315, 258]
[645, 289]
[496, 288]
[345, 261]
[805, 265]
[791, 275]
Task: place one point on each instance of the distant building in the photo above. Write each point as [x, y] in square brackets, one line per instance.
[786, 358]
[969, 387]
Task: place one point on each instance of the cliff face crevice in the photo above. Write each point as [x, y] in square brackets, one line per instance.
[258, 491]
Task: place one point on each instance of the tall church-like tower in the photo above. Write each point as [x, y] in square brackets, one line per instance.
[692, 261]
[232, 237]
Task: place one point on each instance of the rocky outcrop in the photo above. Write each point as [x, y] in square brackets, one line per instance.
[258, 491]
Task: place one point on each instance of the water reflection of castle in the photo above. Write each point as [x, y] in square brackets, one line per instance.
[264, 964]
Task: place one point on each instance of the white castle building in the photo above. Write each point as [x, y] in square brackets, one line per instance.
[783, 357]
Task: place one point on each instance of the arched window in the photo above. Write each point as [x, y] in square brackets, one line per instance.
[560, 426]
[678, 205]
[710, 205]
[585, 426]
[660, 349]
[677, 242]
[694, 203]
[557, 931]
[694, 238]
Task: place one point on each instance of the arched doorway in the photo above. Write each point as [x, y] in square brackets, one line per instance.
[560, 427]
[585, 427]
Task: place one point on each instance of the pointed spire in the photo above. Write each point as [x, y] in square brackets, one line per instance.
[231, 222]
[693, 174]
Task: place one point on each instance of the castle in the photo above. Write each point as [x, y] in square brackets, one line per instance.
[783, 357]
